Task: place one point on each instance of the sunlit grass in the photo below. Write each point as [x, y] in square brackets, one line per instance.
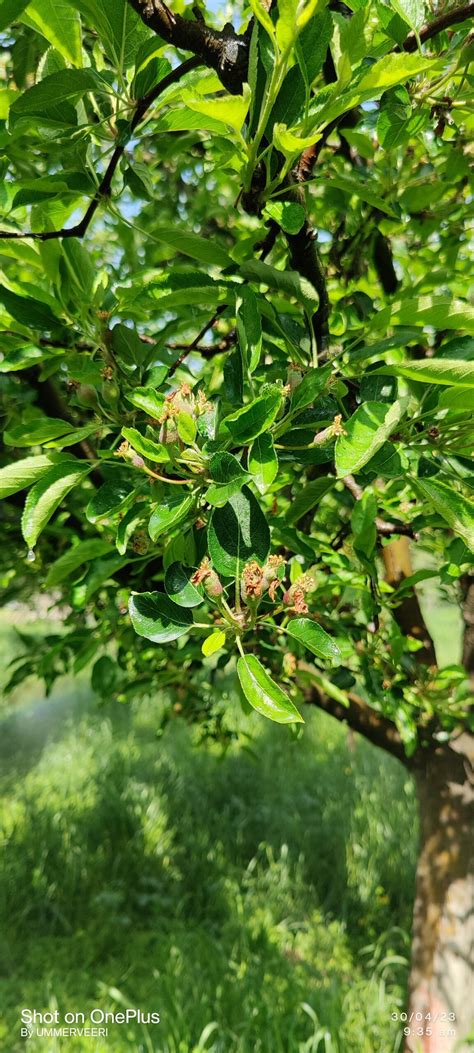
[257, 904]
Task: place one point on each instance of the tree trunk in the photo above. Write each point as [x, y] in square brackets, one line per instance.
[441, 996]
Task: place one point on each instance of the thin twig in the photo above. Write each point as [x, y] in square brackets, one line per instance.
[104, 188]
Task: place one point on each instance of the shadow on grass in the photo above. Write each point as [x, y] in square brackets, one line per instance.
[229, 890]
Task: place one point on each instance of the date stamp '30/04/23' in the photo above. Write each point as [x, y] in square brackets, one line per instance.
[427, 1025]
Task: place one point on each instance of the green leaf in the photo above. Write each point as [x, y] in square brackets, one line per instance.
[25, 357]
[314, 638]
[121, 30]
[153, 451]
[246, 423]
[237, 533]
[108, 499]
[457, 399]
[127, 526]
[289, 282]
[363, 524]
[312, 386]
[264, 694]
[36, 431]
[263, 461]
[363, 190]
[46, 98]
[127, 345]
[74, 558]
[366, 431]
[213, 643]
[179, 588]
[434, 371]
[229, 475]
[71, 437]
[29, 312]
[439, 311]
[148, 400]
[172, 510]
[309, 496]
[456, 509]
[59, 24]
[193, 245]
[187, 429]
[412, 11]
[20, 474]
[104, 676]
[47, 494]
[10, 11]
[398, 120]
[288, 214]
[229, 109]
[249, 327]
[157, 618]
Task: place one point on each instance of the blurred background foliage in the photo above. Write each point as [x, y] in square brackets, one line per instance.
[259, 899]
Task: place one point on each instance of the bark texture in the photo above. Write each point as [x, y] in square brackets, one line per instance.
[441, 996]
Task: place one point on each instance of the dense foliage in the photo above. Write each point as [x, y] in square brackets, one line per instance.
[221, 421]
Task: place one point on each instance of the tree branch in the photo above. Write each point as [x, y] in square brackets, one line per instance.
[383, 527]
[223, 50]
[359, 716]
[103, 190]
[438, 25]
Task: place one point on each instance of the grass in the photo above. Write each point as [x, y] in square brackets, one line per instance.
[259, 901]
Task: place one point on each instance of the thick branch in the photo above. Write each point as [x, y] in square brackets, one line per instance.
[103, 190]
[223, 50]
[377, 729]
[438, 25]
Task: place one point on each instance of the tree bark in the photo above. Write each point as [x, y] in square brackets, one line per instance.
[441, 987]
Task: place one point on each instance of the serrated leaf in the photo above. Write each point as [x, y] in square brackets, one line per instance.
[174, 509]
[47, 494]
[264, 694]
[238, 533]
[314, 638]
[179, 588]
[366, 431]
[157, 618]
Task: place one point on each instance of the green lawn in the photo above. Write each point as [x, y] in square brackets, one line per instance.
[259, 901]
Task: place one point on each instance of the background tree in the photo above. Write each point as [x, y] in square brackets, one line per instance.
[236, 434]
